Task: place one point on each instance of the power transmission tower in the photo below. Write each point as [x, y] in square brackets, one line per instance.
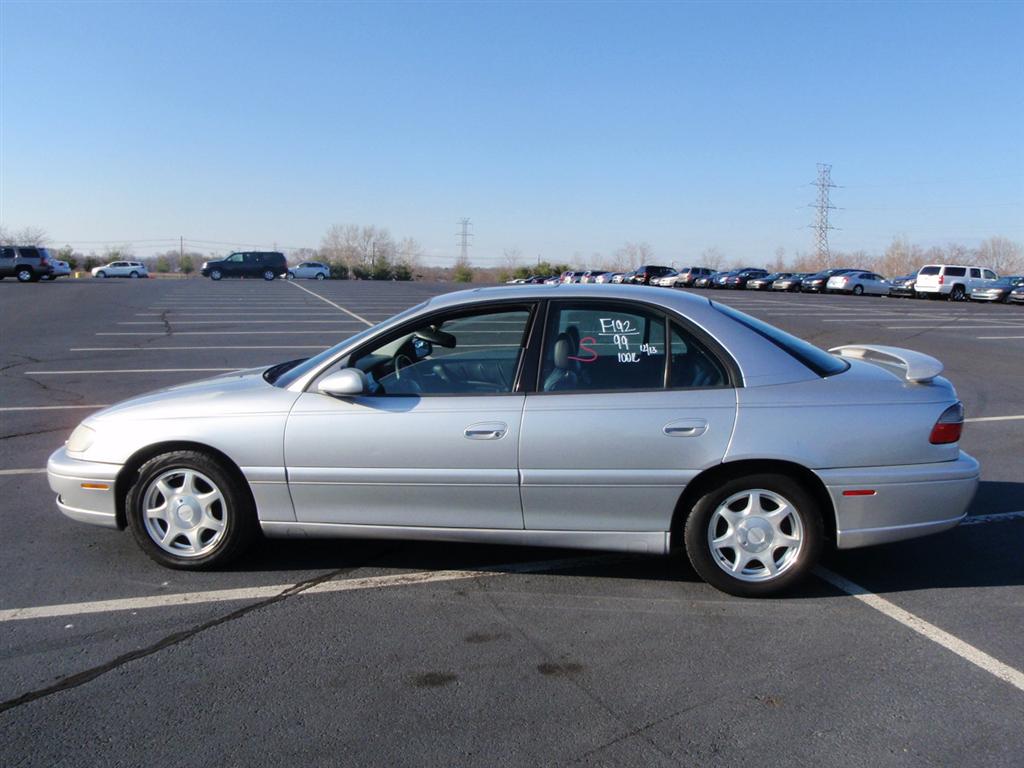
[464, 235]
[822, 206]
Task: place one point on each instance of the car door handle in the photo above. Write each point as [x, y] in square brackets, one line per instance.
[685, 428]
[489, 431]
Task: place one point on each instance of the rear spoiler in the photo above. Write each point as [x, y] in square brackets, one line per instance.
[921, 368]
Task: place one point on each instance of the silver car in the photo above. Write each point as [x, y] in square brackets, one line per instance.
[310, 270]
[615, 417]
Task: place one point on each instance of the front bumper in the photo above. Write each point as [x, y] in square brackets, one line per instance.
[908, 501]
[69, 479]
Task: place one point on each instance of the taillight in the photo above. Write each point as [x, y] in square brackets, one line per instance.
[949, 426]
[942, 279]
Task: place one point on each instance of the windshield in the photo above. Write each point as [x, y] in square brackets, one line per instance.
[284, 374]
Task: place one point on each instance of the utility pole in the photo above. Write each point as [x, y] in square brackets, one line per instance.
[822, 206]
[464, 235]
[181, 249]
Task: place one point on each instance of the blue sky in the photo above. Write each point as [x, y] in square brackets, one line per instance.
[557, 128]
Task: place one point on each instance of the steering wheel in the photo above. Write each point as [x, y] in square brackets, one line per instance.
[411, 380]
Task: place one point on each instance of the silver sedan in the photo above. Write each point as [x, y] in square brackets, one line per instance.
[598, 417]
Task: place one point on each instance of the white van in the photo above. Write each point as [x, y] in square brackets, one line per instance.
[953, 281]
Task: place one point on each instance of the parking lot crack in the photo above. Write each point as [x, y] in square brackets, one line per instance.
[87, 676]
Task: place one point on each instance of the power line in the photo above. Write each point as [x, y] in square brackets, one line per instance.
[464, 236]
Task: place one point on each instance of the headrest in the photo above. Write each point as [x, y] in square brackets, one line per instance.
[563, 348]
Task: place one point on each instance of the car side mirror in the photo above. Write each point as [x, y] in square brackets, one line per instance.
[344, 383]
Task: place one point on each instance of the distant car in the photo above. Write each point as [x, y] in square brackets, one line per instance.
[688, 275]
[666, 280]
[706, 281]
[1016, 295]
[27, 263]
[740, 277]
[537, 279]
[645, 274]
[570, 276]
[132, 269]
[790, 284]
[952, 281]
[553, 280]
[999, 290]
[486, 416]
[816, 283]
[858, 283]
[903, 286]
[310, 270]
[60, 269]
[765, 282]
[621, 277]
[265, 264]
[606, 277]
[719, 280]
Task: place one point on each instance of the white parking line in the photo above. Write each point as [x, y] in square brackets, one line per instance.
[175, 321]
[51, 407]
[38, 471]
[206, 333]
[1001, 337]
[175, 315]
[131, 370]
[336, 306]
[262, 593]
[192, 349]
[964, 650]
[957, 327]
[994, 418]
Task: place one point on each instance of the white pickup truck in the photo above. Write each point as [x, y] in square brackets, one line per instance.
[954, 281]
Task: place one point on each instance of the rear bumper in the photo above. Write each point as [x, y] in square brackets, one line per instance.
[930, 288]
[908, 501]
[96, 505]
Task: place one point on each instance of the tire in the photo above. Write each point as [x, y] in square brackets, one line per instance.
[200, 533]
[709, 518]
[134, 274]
[268, 274]
[215, 274]
[290, 276]
[24, 274]
[958, 293]
[858, 290]
[101, 274]
[321, 276]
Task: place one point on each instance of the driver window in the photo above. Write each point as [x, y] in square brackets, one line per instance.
[464, 355]
[237, 257]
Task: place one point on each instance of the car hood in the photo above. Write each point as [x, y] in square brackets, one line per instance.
[236, 393]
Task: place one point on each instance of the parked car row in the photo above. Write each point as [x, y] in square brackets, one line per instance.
[953, 282]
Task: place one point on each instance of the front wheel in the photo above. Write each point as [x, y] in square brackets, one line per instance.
[25, 275]
[754, 536]
[216, 274]
[101, 274]
[187, 511]
[268, 274]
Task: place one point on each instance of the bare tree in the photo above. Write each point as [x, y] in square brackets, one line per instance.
[632, 255]
[1002, 255]
[712, 258]
[24, 236]
[511, 258]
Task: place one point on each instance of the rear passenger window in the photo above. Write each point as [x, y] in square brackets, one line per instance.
[956, 271]
[612, 347]
[691, 364]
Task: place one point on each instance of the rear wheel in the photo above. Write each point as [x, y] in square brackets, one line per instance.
[321, 276]
[187, 511]
[268, 274]
[134, 274]
[958, 293]
[858, 290]
[754, 536]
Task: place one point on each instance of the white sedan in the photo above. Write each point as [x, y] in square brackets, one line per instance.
[858, 283]
[121, 269]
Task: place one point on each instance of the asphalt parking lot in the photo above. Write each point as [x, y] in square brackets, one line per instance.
[385, 653]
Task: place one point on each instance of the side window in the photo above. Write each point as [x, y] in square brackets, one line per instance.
[691, 364]
[474, 354]
[29, 253]
[590, 347]
[7, 253]
[975, 272]
[236, 258]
